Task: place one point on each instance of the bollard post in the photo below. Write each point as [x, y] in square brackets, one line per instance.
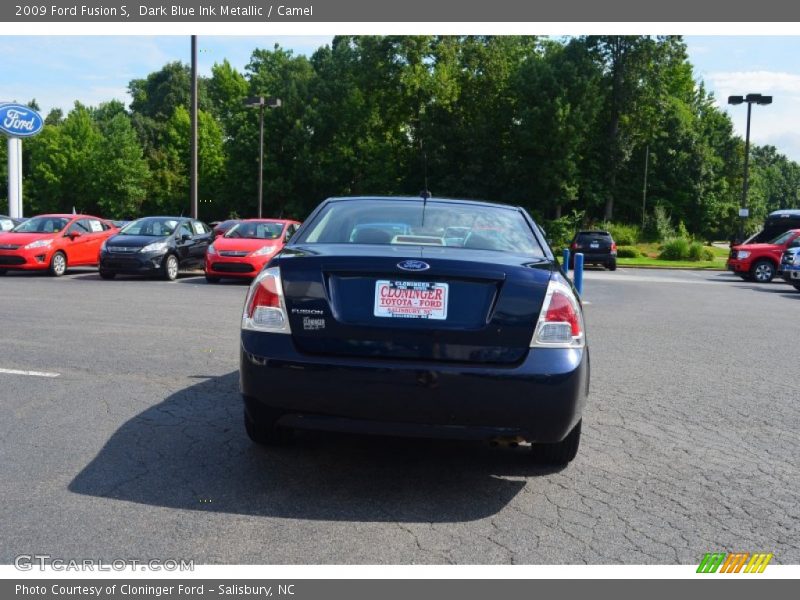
[565, 254]
[578, 276]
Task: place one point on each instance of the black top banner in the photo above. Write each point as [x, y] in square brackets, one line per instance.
[400, 11]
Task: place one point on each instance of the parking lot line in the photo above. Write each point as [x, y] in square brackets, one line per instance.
[28, 373]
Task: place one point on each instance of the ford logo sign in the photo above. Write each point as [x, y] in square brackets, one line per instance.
[18, 120]
[413, 265]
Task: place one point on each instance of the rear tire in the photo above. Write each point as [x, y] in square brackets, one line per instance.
[169, 268]
[612, 264]
[212, 279]
[559, 453]
[58, 264]
[107, 275]
[763, 271]
[265, 431]
[796, 286]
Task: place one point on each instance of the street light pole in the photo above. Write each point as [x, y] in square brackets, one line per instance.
[644, 185]
[746, 182]
[750, 99]
[260, 157]
[193, 143]
[261, 102]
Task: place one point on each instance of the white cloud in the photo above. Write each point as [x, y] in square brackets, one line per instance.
[764, 82]
[777, 124]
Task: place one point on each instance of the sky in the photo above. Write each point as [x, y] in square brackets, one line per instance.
[57, 70]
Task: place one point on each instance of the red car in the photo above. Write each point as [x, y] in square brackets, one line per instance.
[760, 262]
[53, 243]
[247, 247]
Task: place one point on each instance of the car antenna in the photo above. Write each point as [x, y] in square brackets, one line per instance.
[425, 193]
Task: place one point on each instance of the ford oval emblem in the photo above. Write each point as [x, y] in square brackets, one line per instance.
[18, 120]
[413, 265]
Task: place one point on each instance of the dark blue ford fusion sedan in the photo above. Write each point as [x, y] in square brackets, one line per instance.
[416, 317]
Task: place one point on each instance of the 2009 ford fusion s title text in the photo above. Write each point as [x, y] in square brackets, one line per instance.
[432, 318]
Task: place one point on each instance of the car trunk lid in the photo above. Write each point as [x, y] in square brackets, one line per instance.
[462, 305]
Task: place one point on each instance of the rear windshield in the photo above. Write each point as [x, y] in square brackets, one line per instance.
[399, 222]
[593, 235]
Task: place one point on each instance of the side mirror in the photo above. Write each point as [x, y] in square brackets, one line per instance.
[74, 234]
[185, 236]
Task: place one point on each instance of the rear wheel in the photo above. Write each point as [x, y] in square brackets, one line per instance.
[212, 279]
[796, 286]
[265, 431]
[612, 264]
[58, 264]
[169, 269]
[559, 453]
[107, 274]
[763, 271]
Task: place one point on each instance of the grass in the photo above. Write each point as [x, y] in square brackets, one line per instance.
[717, 263]
[652, 260]
[652, 251]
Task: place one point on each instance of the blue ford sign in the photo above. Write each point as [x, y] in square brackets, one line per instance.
[413, 265]
[18, 120]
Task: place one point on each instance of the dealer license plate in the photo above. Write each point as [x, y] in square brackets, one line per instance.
[411, 299]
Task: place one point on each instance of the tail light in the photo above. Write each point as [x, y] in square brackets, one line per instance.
[560, 322]
[613, 246]
[574, 245]
[265, 307]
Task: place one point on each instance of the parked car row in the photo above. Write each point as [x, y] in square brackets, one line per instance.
[160, 246]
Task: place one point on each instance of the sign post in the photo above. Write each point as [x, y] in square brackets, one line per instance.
[17, 121]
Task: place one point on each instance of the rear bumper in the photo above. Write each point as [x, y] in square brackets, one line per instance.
[540, 399]
[596, 258]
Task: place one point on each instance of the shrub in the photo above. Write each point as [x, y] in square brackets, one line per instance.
[683, 232]
[695, 251]
[708, 254]
[624, 235]
[560, 231]
[658, 226]
[628, 252]
[675, 249]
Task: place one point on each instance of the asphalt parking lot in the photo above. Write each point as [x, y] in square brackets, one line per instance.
[136, 448]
